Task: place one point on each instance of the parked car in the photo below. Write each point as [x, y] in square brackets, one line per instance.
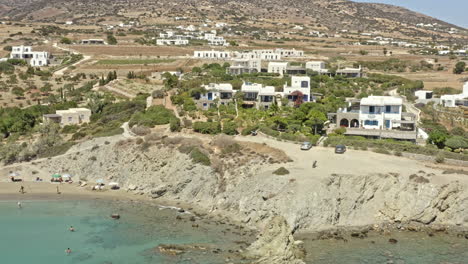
[253, 133]
[340, 149]
[306, 146]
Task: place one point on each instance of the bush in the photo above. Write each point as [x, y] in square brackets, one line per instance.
[381, 151]
[78, 135]
[248, 130]
[175, 125]
[398, 153]
[281, 171]
[230, 128]
[141, 130]
[440, 158]
[70, 129]
[211, 128]
[153, 116]
[199, 157]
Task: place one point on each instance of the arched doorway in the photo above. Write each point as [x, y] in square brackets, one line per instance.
[354, 123]
[344, 122]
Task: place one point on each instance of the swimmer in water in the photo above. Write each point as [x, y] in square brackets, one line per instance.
[68, 251]
[19, 205]
[71, 229]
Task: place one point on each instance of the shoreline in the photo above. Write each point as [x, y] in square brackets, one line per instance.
[46, 191]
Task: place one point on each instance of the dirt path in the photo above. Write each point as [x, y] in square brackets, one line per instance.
[62, 71]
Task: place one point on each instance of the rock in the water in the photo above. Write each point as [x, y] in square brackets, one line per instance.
[393, 241]
[276, 245]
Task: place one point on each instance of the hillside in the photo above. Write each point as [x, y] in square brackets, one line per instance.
[330, 15]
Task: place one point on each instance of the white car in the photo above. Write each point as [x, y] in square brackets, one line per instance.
[306, 146]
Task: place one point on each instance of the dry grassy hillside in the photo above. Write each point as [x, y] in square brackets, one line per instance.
[329, 14]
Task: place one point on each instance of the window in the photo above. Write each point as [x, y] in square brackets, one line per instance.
[70, 119]
[388, 109]
[371, 123]
[371, 109]
[304, 84]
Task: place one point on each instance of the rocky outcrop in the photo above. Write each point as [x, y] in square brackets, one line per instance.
[242, 185]
[276, 245]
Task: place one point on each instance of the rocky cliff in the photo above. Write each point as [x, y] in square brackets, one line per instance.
[238, 181]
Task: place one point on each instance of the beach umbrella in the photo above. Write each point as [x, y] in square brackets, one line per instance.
[100, 181]
[113, 184]
[66, 176]
[56, 176]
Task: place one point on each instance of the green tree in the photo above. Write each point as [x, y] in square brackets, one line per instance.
[66, 41]
[437, 138]
[459, 67]
[111, 40]
[316, 119]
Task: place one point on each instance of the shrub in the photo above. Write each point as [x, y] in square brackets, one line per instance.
[211, 128]
[70, 129]
[199, 157]
[440, 158]
[78, 135]
[141, 130]
[139, 141]
[230, 128]
[153, 116]
[381, 151]
[175, 125]
[457, 142]
[281, 171]
[398, 153]
[248, 130]
[340, 131]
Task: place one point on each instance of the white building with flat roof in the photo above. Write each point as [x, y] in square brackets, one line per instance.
[299, 85]
[211, 55]
[241, 66]
[72, 116]
[317, 66]
[172, 42]
[454, 100]
[377, 112]
[278, 67]
[216, 93]
[34, 58]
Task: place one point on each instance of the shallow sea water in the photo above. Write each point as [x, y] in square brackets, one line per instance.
[411, 248]
[38, 233]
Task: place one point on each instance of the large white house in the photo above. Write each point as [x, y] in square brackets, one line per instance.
[376, 117]
[72, 116]
[278, 67]
[299, 85]
[34, 58]
[317, 66]
[172, 42]
[454, 100]
[241, 66]
[215, 93]
[380, 112]
[255, 94]
[212, 54]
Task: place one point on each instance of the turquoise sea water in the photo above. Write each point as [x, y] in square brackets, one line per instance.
[38, 233]
[411, 248]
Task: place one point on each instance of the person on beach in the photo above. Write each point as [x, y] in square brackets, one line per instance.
[19, 205]
[68, 251]
[21, 189]
[71, 229]
[58, 191]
